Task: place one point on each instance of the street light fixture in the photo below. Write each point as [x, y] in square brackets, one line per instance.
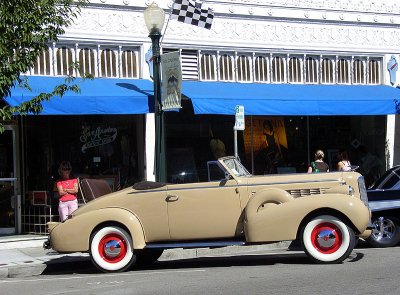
[154, 17]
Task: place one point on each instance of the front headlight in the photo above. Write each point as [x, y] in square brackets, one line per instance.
[363, 190]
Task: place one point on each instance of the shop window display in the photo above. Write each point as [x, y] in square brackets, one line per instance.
[273, 144]
[106, 147]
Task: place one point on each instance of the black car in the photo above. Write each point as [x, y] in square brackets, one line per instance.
[384, 202]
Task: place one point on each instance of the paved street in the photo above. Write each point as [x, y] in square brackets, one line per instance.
[367, 271]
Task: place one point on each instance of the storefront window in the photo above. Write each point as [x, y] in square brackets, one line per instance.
[7, 212]
[97, 146]
[269, 144]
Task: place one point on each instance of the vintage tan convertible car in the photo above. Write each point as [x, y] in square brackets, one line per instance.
[325, 211]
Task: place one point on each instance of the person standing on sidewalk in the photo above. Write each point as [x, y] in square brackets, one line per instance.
[67, 189]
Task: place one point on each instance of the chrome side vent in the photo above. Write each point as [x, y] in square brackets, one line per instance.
[297, 193]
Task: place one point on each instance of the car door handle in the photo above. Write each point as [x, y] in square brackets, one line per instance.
[171, 198]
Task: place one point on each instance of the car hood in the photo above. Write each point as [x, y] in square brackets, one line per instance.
[300, 177]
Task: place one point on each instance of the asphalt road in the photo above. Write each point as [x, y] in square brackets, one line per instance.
[367, 271]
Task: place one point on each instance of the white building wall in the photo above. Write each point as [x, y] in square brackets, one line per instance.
[323, 27]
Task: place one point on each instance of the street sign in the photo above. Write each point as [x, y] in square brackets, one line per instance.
[239, 118]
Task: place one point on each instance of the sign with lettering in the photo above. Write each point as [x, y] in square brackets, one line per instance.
[171, 81]
[239, 118]
[97, 137]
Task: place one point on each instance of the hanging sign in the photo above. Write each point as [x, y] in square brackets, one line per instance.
[392, 67]
[171, 81]
[149, 61]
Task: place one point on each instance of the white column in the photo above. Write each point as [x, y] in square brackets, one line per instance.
[150, 136]
[150, 147]
[390, 135]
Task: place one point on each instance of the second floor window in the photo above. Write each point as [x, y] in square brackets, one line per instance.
[43, 64]
[207, 67]
[358, 71]
[261, 69]
[243, 68]
[278, 70]
[294, 71]
[343, 73]
[87, 61]
[108, 62]
[374, 68]
[64, 61]
[129, 64]
[225, 68]
[311, 70]
[327, 71]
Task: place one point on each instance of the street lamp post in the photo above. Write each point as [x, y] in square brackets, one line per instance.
[154, 17]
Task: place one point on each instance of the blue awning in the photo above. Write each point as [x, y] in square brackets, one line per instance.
[100, 96]
[291, 99]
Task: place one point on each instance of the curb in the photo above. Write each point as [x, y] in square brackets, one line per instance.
[175, 254]
[44, 265]
[20, 244]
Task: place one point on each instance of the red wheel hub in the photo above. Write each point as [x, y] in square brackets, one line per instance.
[112, 248]
[326, 238]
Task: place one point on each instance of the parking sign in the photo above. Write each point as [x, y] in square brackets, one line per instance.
[239, 118]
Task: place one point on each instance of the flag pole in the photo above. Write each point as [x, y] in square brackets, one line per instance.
[166, 26]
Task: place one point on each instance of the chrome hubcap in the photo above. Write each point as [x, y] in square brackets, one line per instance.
[326, 238]
[384, 229]
[112, 249]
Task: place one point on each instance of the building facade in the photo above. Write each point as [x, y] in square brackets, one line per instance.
[251, 42]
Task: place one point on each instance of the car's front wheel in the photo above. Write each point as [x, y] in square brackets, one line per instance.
[385, 232]
[327, 239]
[111, 249]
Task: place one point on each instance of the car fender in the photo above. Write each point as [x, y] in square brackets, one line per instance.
[73, 235]
[265, 198]
[278, 222]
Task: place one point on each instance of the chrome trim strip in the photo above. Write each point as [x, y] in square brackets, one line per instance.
[148, 191]
[195, 244]
[236, 185]
[384, 205]
[203, 187]
[294, 182]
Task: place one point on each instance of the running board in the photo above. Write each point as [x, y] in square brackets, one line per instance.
[196, 245]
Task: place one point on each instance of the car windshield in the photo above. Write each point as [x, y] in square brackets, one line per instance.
[389, 180]
[236, 167]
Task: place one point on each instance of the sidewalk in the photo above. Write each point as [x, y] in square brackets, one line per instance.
[24, 256]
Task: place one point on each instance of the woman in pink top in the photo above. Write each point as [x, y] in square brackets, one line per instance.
[67, 189]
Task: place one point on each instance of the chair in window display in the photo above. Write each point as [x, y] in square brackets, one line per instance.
[38, 212]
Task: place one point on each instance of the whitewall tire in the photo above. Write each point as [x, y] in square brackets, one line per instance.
[327, 239]
[111, 249]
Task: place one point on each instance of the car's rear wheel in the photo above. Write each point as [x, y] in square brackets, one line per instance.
[327, 239]
[385, 232]
[147, 256]
[111, 249]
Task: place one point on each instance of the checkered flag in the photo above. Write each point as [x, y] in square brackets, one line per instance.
[192, 12]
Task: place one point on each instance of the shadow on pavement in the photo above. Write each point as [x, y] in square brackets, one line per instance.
[289, 258]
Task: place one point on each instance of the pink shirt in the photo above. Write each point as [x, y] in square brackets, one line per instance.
[67, 184]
